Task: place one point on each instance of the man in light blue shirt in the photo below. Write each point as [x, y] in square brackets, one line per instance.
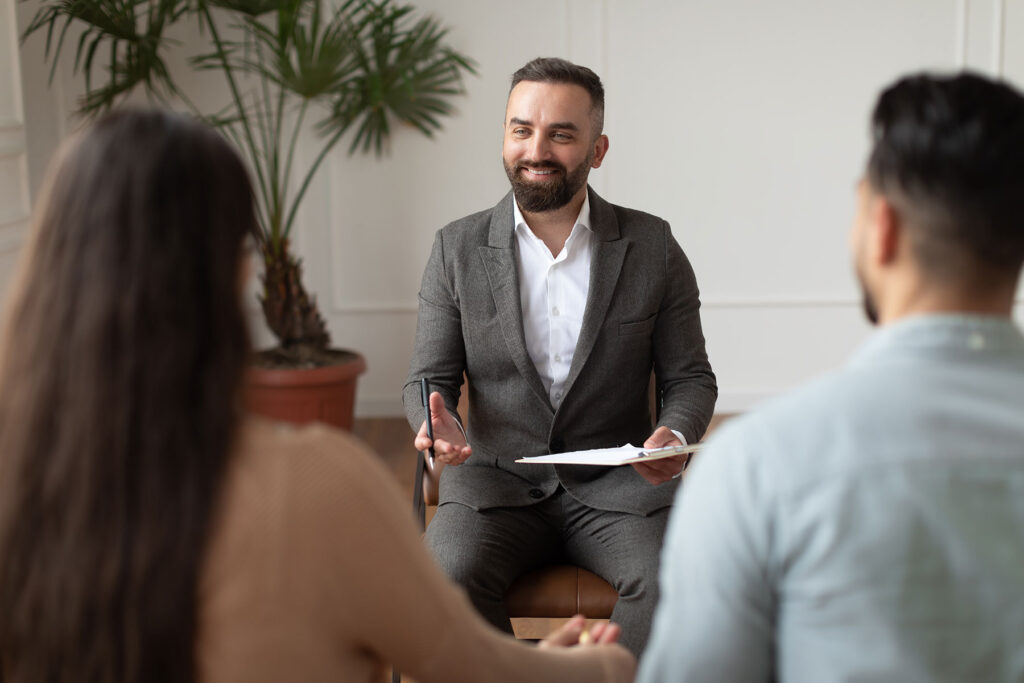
[870, 526]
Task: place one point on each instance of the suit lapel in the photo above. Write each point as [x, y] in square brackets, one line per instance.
[605, 267]
[500, 262]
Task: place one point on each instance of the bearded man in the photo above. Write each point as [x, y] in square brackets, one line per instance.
[869, 526]
[556, 306]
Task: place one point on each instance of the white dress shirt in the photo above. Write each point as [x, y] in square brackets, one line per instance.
[553, 294]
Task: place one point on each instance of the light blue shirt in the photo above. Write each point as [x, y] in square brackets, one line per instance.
[867, 527]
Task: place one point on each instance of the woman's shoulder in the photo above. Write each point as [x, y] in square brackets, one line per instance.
[290, 487]
[285, 436]
[278, 574]
[313, 446]
[317, 464]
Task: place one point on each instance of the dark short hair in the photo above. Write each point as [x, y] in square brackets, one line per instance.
[555, 70]
[948, 151]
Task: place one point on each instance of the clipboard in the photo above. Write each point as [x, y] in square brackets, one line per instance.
[611, 457]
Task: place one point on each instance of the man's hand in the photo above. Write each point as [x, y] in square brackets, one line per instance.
[619, 663]
[664, 469]
[574, 632]
[450, 447]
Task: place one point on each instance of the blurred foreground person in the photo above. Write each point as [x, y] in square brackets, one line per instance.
[870, 526]
[150, 532]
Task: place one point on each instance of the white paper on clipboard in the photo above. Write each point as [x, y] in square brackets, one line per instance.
[610, 457]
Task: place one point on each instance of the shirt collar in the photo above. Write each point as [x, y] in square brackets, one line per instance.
[583, 219]
[945, 331]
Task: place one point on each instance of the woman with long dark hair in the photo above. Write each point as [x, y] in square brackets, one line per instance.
[148, 530]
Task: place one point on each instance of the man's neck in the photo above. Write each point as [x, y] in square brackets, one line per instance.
[997, 301]
[554, 227]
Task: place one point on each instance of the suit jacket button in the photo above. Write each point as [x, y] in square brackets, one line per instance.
[536, 494]
[557, 446]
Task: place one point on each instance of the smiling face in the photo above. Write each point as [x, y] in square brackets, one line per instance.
[550, 145]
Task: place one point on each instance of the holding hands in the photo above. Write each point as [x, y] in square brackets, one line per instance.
[574, 632]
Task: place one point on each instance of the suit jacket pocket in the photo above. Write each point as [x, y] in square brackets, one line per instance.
[639, 327]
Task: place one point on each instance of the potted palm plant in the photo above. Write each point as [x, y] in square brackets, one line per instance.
[355, 67]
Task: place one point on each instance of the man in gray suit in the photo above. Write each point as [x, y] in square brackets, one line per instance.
[557, 306]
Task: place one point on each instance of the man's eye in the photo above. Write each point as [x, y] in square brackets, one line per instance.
[561, 136]
[519, 131]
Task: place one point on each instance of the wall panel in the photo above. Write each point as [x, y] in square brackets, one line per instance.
[14, 181]
[742, 122]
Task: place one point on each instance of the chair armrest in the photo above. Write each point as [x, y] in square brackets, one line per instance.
[431, 481]
[425, 488]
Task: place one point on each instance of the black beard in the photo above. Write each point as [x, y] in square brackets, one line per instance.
[870, 310]
[536, 197]
[867, 302]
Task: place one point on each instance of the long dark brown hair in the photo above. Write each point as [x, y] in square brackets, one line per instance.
[120, 367]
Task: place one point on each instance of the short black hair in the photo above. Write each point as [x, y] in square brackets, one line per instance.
[556, 70]
[948, 151]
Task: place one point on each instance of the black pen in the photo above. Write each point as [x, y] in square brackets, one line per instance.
[425, 393]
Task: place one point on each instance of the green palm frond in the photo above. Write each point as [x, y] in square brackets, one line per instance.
[367, 63]
[405, 73]
[312, 59]
[130, 33]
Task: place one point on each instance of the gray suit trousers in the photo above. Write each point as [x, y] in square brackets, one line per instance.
[485, 551]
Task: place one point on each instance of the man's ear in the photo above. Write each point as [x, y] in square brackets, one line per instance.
[600, 149]
[886, 231]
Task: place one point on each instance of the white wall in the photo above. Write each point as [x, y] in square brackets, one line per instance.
[14, 178]
[742, 122]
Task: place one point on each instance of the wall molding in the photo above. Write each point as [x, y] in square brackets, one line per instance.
[13, 218]
[11, 150]
[12, 235]
[393, 307]
[780, 302]
[401, 308]
[12, 139]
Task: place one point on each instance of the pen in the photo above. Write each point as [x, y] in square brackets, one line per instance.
[425, 393]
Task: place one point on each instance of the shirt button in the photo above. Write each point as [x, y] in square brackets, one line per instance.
[554, 311]
[536, 494]
[558, 358]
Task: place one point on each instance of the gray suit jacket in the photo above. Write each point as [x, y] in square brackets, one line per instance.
[642, 312]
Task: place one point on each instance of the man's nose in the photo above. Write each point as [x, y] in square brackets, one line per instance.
[540, 148]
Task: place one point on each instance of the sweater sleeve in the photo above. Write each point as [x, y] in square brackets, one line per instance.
[379, 591]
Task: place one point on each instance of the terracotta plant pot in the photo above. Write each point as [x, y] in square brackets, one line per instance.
[325, 394]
